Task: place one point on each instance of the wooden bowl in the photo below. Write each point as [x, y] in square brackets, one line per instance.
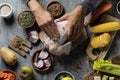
[23, 17]
[10, 71]
[42, 69]
[56, 9]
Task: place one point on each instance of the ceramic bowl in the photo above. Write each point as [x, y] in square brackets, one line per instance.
[118, 7]
[10, 71]
[42, 69]
[20, 20]
[61, 74]
[56, 9]
[9, 10]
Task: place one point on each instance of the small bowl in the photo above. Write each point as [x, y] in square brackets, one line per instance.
[10, 71]
[56, 9]
[24, 17]
[63, 74]
[118, 7]
[42, 69]
[9, 10]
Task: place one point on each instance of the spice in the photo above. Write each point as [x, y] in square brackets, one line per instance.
[55, 8]
[6, 10]
[26, 19]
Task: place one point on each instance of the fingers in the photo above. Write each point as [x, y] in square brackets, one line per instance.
[46, 30]
[51, 30]
[70, 32]
[62, 18]
[77, 32]
[54, 30]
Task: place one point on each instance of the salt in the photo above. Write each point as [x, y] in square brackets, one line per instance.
[5, 10]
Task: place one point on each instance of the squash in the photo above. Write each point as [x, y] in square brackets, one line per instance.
[8, 56]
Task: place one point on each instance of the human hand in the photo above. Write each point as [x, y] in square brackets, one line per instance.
[46, 23]
[75, 23]
[44, 20]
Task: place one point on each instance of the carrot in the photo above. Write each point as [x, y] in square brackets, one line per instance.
[2, 75]
[11, 76]
[5, 75]
[105, 7]
[6, 79]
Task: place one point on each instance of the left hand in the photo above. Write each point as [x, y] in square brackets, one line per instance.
[75, 23]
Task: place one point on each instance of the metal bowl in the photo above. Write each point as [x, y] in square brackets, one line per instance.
[62, 74]
[118, 7]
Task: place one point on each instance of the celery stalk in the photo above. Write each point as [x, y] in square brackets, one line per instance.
[106, 66]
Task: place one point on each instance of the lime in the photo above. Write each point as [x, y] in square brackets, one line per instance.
[66, 78]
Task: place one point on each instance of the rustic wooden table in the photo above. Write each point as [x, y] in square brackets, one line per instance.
[74, 63]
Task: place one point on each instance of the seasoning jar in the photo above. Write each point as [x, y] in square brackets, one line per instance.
[6, 10]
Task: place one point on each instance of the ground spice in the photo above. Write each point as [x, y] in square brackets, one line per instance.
[55, 8]
[26, 19]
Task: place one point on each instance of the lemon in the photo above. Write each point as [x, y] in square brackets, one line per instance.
[67, 78]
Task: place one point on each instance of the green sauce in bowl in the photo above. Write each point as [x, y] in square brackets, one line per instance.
[26, 19]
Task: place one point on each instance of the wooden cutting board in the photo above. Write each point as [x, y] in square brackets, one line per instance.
[101, 53]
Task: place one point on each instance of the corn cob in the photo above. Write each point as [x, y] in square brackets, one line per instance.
[106, 27]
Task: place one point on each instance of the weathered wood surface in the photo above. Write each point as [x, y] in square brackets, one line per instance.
[75, 63]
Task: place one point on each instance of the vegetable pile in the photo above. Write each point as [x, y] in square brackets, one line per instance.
[6, 76]
[106, 66]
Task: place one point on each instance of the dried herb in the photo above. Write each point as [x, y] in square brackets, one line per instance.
[55, 8]
[26, 19]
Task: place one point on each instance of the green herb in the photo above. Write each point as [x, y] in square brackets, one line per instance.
[26, 19]
[105, 77]
[106, 66]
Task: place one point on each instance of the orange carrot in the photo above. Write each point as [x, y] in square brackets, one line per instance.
[11, 76]
[105, 7]
[2, 75]
[5, 75]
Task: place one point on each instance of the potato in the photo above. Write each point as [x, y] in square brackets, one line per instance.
[8, 56]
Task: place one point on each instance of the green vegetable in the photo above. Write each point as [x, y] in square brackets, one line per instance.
[106, 66]
[111, 78]
[105, 77]
[97, 78]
